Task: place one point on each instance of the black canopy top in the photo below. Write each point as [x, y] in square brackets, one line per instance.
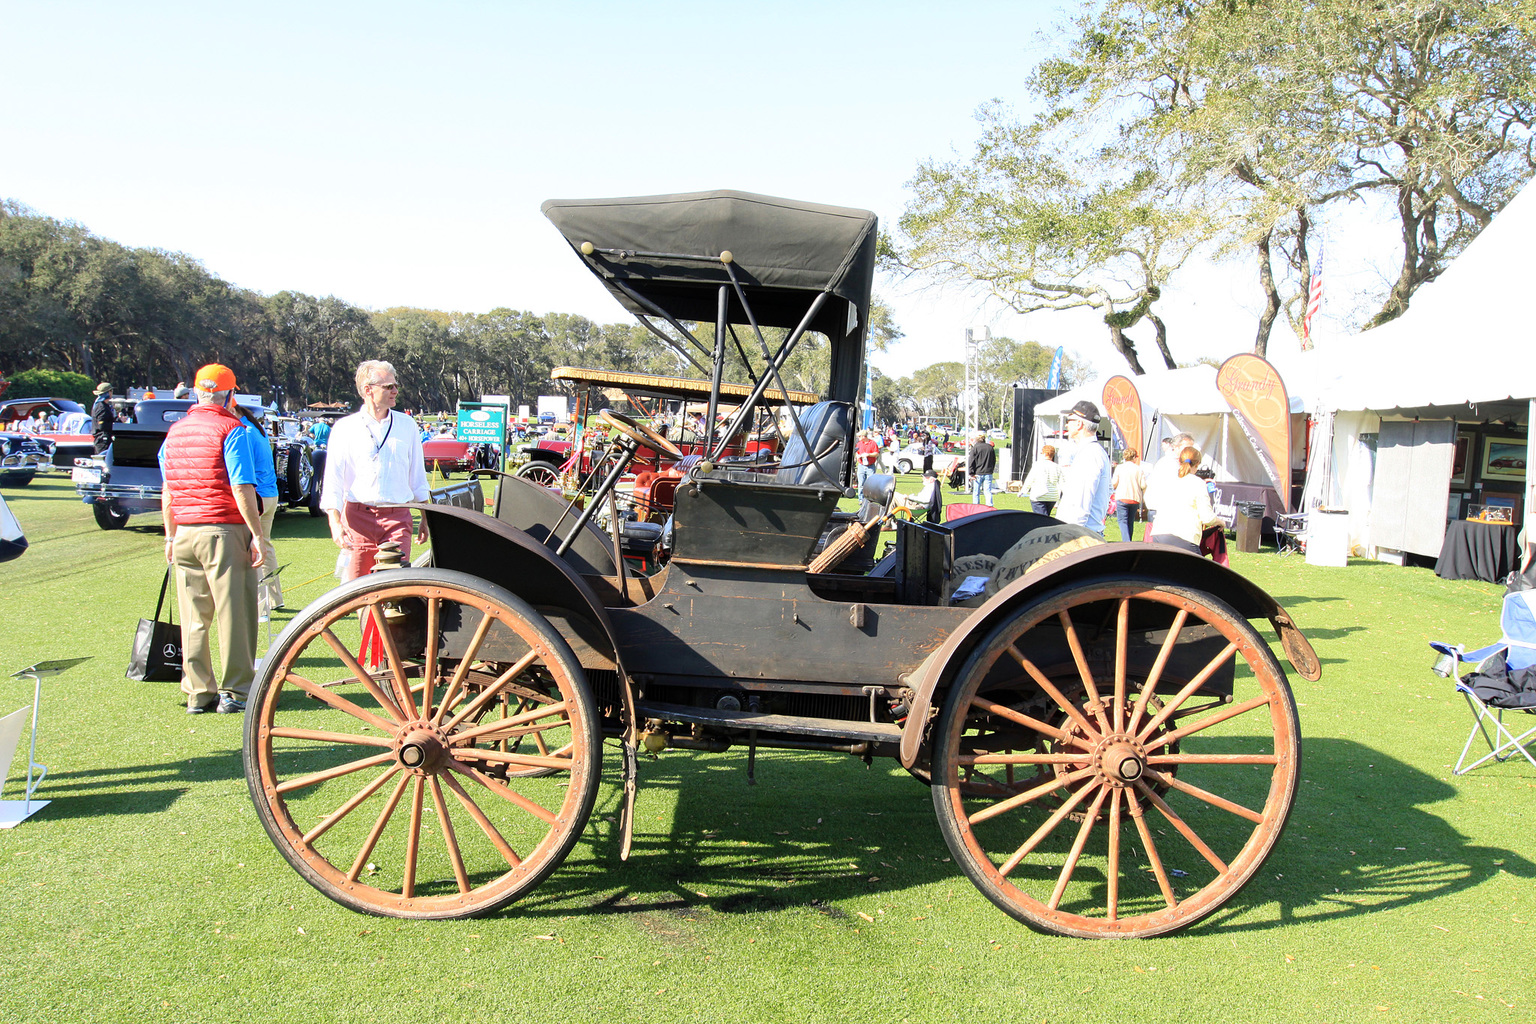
[668, 249]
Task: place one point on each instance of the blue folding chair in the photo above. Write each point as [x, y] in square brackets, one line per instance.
[1518, 648]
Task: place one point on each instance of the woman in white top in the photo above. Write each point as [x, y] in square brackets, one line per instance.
[1182, 505]
[1042, 485]
[373, 462]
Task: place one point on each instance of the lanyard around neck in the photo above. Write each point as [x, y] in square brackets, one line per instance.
[378, 445]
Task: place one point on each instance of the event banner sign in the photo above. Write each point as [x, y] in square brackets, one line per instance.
[1122, 404]
[1257, 395]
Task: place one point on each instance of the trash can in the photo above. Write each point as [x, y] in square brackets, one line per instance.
[1249, 525]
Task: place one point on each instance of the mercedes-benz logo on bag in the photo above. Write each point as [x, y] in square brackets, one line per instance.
[171, 652]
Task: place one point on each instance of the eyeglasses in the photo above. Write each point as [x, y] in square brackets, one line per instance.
[384, 387]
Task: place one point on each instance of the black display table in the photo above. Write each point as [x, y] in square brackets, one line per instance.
[1478, 551]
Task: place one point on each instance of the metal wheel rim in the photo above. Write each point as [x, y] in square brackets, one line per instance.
[398, 800]
[1031, 901]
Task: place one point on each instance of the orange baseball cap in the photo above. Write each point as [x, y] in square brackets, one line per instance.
[215, 377]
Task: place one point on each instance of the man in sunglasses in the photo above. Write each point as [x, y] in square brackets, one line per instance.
[373, 464]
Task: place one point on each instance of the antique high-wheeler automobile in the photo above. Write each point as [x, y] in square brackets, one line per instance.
[1111, 747]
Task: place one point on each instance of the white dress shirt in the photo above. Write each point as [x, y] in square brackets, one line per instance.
[374, 462]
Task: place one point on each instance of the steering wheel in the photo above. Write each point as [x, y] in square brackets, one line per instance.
[638, 433]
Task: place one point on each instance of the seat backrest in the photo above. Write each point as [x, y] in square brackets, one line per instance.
[827, 426]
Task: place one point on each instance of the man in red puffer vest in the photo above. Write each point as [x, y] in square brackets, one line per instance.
[213, 538]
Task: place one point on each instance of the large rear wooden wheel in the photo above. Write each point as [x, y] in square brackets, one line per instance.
[1116, 760]
[422, 744]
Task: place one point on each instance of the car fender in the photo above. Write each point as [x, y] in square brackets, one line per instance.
[1154, 561]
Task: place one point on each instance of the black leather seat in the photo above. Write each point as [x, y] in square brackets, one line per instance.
[827, 426]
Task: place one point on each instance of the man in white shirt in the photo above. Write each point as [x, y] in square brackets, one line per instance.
[1085, 483]
[373, 463]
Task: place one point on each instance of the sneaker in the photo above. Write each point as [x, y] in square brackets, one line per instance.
[200, 709]
[229, 706]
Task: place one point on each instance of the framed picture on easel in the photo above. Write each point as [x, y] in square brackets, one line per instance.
[1462, 462]
[1504, 458]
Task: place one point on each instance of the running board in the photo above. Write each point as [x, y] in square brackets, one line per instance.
[874, 732]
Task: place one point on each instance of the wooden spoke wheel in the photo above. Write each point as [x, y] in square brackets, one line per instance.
[541, 473]
[1117, 759]
[423, 744]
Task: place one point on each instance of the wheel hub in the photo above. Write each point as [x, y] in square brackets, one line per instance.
[1121, 760]
[419, 747]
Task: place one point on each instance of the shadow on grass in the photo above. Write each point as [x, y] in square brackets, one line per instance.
[1295, 599]
[135, 789]
[810, 835]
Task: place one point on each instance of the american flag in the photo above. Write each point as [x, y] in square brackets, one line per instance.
[1314, 299]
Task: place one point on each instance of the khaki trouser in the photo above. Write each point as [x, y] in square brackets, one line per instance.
[216, 583]
[271, 590]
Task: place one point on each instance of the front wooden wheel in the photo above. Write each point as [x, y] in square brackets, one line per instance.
[541, 473]
[1117, 759]
[422, 744]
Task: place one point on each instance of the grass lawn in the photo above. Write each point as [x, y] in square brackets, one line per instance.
[148, 891]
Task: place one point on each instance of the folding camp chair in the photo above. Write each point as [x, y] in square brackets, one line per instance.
[1290, 533]
[1518, 648]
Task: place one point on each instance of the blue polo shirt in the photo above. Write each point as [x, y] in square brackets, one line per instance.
[261, 455]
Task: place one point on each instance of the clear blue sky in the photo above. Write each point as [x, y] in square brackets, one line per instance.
[395, 154]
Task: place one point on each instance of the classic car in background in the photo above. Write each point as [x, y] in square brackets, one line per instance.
[21, 456]
[72, 435]
[446, 454]
[125, 479]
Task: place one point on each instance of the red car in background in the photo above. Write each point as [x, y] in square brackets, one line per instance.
[447, 453]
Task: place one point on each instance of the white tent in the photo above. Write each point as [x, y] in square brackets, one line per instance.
[1462, 354]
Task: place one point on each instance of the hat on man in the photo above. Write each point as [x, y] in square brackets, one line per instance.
[218, 377]
[1087, 410]
[102, 388]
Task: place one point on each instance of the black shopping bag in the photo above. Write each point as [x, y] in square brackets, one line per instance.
[156, 654]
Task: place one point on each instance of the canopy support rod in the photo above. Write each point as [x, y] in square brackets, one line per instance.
[784, 350]
[772, 369]
[672, 343]
[722, 305]
[655, 310]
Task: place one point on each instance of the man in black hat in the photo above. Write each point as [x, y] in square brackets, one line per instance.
[102, 418]
[1085, 482]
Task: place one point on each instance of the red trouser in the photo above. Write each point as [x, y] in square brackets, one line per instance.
[368, 526]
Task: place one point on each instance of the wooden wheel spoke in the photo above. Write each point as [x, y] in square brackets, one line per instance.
[413, 840]
[1112, 868]
[992, 707]
[350, 806]
[378, 828]
[452, 692]
[1183, 826]
[1231, 711]
[1046, 829]
[1122, 640]
[1095, 702]
[392, 655]
[510, 757]
[1020, 799]
[512, 724]
[1201, 794]
[1213, 759]
[1025, 758]
[362, 675]
[321, 736]
[492, 691]
[1077, 848]
[1156, 675]
[1069, 706]
[341, 703]
[1189, 689]
[333, 773]
[502, 846]
[455, 856]
[1138, 815]
[429, 662]
[510, 795]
